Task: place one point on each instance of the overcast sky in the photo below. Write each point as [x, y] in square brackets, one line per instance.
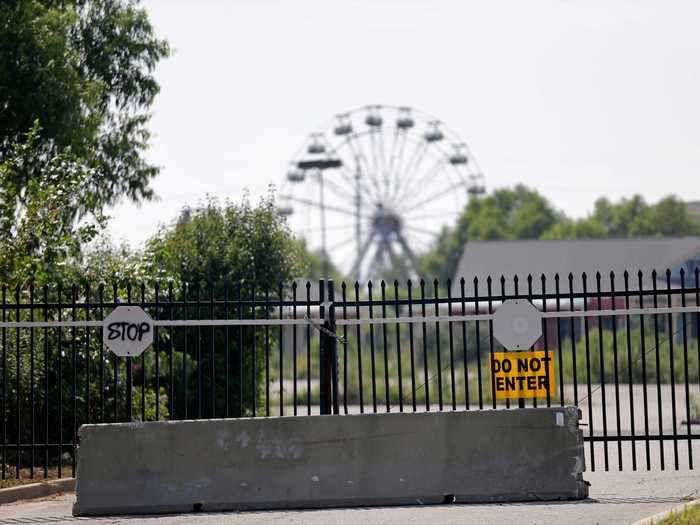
[576, 99]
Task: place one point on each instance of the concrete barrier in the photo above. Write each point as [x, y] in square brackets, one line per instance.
[325, 461]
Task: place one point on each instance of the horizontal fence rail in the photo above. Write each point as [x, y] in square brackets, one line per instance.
[625, 349]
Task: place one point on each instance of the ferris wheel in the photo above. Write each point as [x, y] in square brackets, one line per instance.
[372, 189]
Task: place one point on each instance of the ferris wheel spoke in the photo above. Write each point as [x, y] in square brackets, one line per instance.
[409, 170]
[414, 171]
[422, 231]
[383, 162]
[329, 207]
[428, 176]
[409, 216]
[368, 171]
[375, 164]
[408, 251]
[345, 242]
[337, 190]
[361, 255]
[395, 166]
[354, 179]
[434, 196]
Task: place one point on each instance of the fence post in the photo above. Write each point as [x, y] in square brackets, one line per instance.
[328, 344]
[332, 356]
[324, 394]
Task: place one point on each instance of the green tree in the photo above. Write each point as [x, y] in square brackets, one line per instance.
[518, 213]
[218, 243]
[37, 228]
[522, 213]
[83, 70]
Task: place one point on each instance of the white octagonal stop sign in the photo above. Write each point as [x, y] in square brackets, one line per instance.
[517, 324]
[128, 331]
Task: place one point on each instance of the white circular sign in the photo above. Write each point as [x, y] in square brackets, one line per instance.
[127, 331]
[517, 324]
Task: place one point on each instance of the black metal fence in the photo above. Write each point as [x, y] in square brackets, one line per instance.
[634, 370]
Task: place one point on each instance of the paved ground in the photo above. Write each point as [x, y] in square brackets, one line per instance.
[616, 497]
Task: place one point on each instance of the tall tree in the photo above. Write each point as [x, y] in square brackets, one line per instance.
[84, 70]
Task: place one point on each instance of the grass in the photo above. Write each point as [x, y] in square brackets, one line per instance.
[688, 516]
[11, 481]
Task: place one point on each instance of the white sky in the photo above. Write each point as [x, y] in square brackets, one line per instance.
[576, 99]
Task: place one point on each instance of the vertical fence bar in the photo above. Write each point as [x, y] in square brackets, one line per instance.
[343, 288]
[643, 351]
[4, 382]
[87, 355]
[359, 348]
[143, 363]
[628, 329]
[212, 356]
[239, 305]
[545, 331]
[451, 343]
[503, 299]
[101, 295]
[559, 350]
[199, 349]
[18, 395]
[477, 325]
[613, 317]
[438, 349]
[32, 404]
[333, 346]
[601, 353]
[398, 343]
[325, 405]
[426, 384]
[658, 370]
[685, 371]
[530, 298]
[254, 366]
[308, 350]
[489, 292]
[227, 354]
[672, 362]
[115, 361]
[572, 327]
[280, 336]
[171, 350]
[46, 384]
[60, 383]
[384, 345]
[294, 349]
[371, 346]
[74, 382]
[185, 316]
[584, 285]
[267, 353]
[409, 288]
[697, 317]
[129, 372]
[156, 342]
[464, 344]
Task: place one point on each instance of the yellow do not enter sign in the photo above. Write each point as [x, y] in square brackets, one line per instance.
[517, 375]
